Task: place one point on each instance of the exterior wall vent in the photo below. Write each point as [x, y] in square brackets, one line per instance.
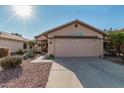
[76, 25]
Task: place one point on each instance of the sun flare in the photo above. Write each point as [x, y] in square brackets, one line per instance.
[23, 11]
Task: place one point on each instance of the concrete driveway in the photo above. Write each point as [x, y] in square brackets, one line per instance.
[95, 72]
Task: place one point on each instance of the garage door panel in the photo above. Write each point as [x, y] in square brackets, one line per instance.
[75, 47]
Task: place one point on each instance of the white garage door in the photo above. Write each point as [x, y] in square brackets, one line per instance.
[75, 47]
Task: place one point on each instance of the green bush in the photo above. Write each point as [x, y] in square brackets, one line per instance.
[51, 56]
[20, 52]
[36, 51]
[4, 52]
[10, 62]
[28, 54]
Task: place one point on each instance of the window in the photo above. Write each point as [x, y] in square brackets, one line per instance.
[50, 42]
[43, 44]
[30, 47]
[24, 45]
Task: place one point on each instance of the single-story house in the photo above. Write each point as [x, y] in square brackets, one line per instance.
[73, 39]
[12, 41]
[121, 30]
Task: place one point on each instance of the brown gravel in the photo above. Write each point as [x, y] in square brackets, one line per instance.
[26, 76]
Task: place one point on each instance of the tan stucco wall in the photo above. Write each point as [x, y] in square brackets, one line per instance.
[51, 46]
[100, 47]
[11, 44]
[72, 31]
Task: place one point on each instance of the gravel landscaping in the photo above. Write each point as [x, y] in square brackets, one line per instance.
[26, 76]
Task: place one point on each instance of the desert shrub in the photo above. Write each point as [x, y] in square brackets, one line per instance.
[10, 62]
[51, 56]
[36, 51]
[25, 50]
[28, 54]
[20, 52]
[4, 52]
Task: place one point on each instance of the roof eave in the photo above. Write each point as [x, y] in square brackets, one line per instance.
[69, 23]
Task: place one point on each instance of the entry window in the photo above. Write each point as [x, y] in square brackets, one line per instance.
[50, 42]
[24, 45]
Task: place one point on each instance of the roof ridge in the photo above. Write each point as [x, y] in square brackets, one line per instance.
[71, 22]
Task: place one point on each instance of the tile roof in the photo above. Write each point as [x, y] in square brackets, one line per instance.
[10, 36]
[121, 30]
[72, 22]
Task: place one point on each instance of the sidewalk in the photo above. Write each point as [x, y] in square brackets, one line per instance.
[61, 77]
[40, 59]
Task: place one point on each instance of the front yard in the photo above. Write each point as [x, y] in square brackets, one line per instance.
[26, 76]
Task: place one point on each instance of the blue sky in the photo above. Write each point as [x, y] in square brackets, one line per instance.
[47, 17]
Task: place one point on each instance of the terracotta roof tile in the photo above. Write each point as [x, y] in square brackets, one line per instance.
[12, 37]
[69, 23]
[121, 30]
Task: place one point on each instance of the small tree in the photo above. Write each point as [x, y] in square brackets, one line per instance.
[116, 40]
[31, 43]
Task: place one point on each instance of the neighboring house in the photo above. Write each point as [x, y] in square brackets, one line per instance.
[12, 41]
[73, 39]
[121, 30]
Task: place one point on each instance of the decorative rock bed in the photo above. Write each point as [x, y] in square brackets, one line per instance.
[26, 76]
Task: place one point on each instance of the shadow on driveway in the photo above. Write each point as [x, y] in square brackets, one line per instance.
[95, 72]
